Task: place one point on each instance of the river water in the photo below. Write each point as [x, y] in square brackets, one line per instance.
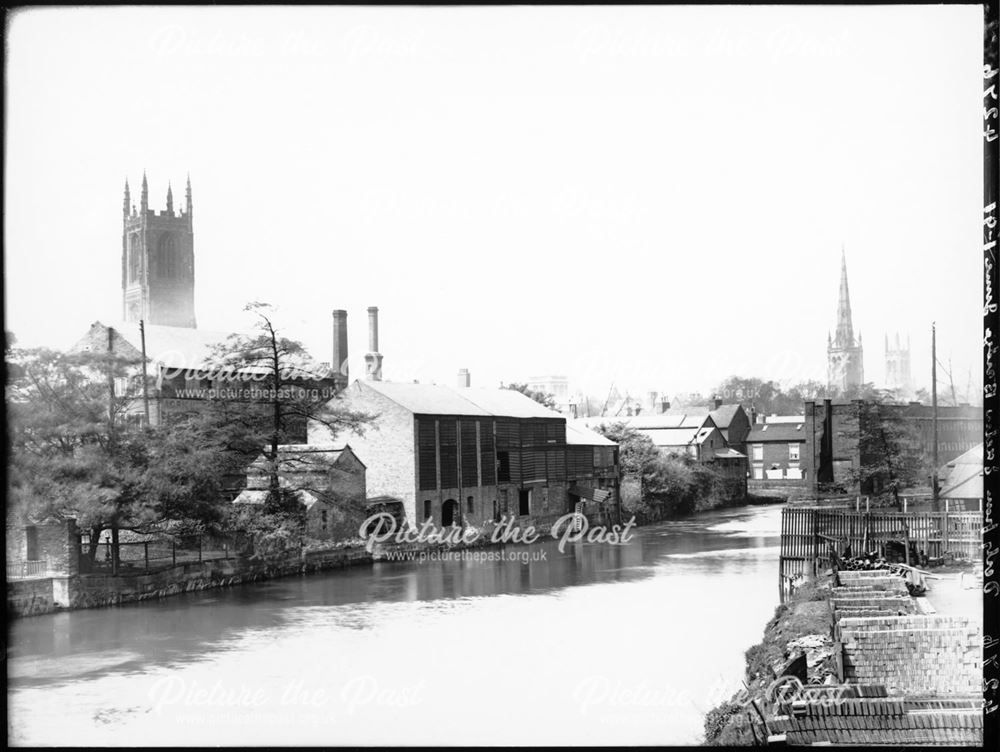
[598, 644]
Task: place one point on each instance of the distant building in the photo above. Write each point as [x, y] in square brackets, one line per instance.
[832, 430]
[471, 455]
[845, 356]
[158, 261]
[776, 451]
[328, 481]
[897, 366]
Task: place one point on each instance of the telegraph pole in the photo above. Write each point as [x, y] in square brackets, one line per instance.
[145, 380]
[934, 476]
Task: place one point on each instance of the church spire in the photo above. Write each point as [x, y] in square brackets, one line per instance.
[845, 329]
[170, 199]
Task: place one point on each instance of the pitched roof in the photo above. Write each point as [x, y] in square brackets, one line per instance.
[729, 454]
[580, 435]
[784, 419]
[655, 421]
[508, 403]
[964, 478]
[426, 399]
[775, 432]
[670, 437]
[723, 415]
[435, 399]
[174, 347]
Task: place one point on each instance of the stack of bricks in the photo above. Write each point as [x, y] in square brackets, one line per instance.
[840, 718]
[876, 593]
[930, 654]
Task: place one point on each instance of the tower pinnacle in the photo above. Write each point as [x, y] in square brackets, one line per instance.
[170, 199]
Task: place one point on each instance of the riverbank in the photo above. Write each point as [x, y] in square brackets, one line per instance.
[903, 651]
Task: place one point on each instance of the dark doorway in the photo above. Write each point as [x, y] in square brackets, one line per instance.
[524, 501]
[449, 513]
[31, 543]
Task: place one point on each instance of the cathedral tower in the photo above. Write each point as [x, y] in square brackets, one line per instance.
[158, 261]
[897, 366]
[845, 358]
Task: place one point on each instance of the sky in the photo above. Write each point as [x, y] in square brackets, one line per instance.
[655, 197]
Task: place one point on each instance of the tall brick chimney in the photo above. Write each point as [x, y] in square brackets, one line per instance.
[339, 362]
[373, 358]
[464, 378]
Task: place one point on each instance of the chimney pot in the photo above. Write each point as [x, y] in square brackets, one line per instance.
[464, 378]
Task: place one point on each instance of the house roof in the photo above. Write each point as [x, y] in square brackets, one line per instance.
[655, 421]
[784, 419]
[259, 496]
[304, 458]
[729, 454]
[174, 347]
[775, 432]
[579, 434]
[670, 437]
[435, 399]
[723, 415]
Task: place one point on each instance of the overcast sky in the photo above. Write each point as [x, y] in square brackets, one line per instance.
[652, 196]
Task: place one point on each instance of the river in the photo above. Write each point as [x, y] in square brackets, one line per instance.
[598, 644]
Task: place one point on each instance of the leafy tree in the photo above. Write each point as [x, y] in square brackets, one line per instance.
[891, 455]
[543, 398]
[635, 450]
[279, 391]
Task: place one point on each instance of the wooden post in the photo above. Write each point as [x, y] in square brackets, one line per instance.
[114, 550]
[857, 504]
[145, 547]
[199, 548]
[906, 542]
[868, 506]
[904, 505]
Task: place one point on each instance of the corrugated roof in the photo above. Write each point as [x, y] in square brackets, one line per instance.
[776, 432]
[578, 434]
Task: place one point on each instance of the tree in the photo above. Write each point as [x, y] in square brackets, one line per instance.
[279, 391]
[543, 398]
[891, 458]
[635, 450]
[73, 453]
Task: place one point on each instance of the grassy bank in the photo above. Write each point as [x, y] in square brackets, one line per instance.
[802, 624]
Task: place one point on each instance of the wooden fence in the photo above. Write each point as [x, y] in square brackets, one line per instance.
[807, 534]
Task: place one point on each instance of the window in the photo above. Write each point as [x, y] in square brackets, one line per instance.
[470, 505]
[503, 467]
[524, 501]
[167, 265]
[793, 452]
[133, 258]
[758, 452]
[427, 509]
[322, 517]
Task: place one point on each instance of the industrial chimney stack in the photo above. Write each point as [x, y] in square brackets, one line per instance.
[373, 358]
[464, 378]
[339, 362]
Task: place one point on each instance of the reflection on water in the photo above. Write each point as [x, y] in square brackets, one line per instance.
[598, 644]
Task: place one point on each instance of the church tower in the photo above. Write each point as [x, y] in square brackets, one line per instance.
[158, 261]
[897, 366]
[845, 359]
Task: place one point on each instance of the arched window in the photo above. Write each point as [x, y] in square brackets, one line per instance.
[133, 258]
[167, 263]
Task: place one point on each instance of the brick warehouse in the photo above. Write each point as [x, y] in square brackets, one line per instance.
[472, 455]
[832, 448]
